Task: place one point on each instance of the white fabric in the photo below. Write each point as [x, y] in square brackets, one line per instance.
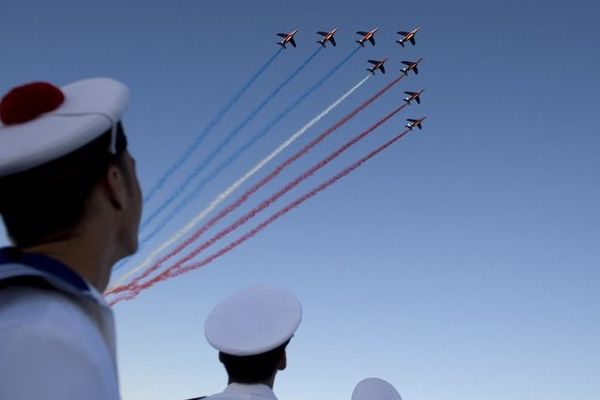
[55, 347]
[375, 389]
[90, 108]
[238, 391]
[253, 321]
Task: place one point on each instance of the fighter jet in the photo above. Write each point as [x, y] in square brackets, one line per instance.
[414, 96]
[408, 36]
[377, 64]
[287, 38]
[411, 65]
[327, 36]
[414, 122]
[367, 36]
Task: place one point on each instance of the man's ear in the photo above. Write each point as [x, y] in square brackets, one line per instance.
[114, 183]
[282, 362]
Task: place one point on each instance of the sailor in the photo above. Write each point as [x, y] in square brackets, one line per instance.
[251, 330]
[375, 389]
[71, 204]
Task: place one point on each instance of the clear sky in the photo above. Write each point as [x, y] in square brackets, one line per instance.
[461, 263]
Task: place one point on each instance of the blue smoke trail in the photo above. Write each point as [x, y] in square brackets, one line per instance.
[183, 186]
[245, 147]
[188, 152]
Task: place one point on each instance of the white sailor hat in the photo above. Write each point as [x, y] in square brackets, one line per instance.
[375, 389]
[40, 122]
[253, 321]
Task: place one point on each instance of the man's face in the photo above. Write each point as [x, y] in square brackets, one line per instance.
[133, 211]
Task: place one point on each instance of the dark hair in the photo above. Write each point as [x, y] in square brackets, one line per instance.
[252, 369]
[45, 203]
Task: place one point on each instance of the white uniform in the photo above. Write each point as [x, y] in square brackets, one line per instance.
[239, 391]
[56, 342]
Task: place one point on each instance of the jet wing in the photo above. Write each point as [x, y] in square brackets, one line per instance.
[407, 63]
[416, 70]
[402, 33]
[382, 68]
[323, 33]
[372, 40]
[283, 35]
[374, 61]
[410, 93]
[412, 40]
[411, 120]
[362, 33]
[293, 42]
[418, 100]
[332, 40]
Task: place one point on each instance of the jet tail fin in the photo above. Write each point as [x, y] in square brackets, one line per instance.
[361, 43]
[400, 42]
[281, 44]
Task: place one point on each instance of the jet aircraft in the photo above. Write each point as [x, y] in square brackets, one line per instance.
[327, 36]
[408, 36]
[414, 96]
[367, 36]
[414, 122]
[411, 65]
[287, 38]
[377, 64]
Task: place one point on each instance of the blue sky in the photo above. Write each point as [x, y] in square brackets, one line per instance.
[461, 263]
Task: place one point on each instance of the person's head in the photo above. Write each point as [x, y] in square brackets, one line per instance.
[259, 368]
[251, 330]
[67, 169]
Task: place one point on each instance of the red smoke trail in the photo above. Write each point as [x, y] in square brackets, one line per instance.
[133, 290]
[178, 269]
[255, 188]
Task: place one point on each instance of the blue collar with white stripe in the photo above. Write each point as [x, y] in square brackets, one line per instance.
[10, 255]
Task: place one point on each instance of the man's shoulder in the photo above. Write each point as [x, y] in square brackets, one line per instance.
[47, 339]
[237, 391]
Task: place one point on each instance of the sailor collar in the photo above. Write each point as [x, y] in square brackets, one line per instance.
[51, 270]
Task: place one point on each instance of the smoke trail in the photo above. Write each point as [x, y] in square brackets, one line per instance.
[266, 203]
[185, 184]
[261, 183]
[178, 269]
[188, 152]
[221, 197]
[243, 148]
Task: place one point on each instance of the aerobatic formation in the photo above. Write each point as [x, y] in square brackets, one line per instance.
[168, 251]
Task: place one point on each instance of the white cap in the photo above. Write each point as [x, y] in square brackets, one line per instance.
[253, 321]
[57, 121]
[375, 389]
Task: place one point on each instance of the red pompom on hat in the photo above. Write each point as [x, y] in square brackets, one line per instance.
[40, 122]
[27, 102]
